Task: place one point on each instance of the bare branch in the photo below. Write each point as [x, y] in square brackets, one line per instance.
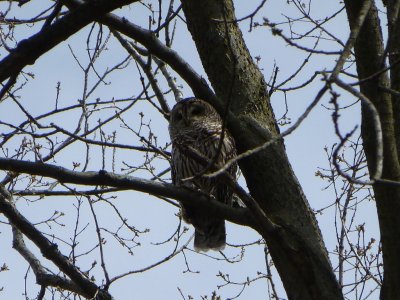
[42, 277]
[31, 49]
[48, 249]
[377, 127]
[240, 216]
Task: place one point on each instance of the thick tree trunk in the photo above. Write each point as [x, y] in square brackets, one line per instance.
[393, 8]
[298, 250]
[369, 53]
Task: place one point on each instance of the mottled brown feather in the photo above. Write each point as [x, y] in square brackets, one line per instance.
[196, 124]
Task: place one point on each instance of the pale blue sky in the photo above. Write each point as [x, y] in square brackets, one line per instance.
[304, 148]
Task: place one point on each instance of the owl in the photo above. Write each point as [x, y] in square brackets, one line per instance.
[195, 124]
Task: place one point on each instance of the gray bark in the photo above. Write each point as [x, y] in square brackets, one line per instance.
[369, 53]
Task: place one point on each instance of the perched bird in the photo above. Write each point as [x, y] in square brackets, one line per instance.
[195, 124]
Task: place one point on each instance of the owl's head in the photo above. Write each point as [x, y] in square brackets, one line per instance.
[190, 115]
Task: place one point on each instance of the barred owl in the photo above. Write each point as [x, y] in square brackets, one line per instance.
[196, 124]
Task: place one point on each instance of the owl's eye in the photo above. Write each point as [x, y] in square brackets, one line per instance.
[178, 116]
[197, 110]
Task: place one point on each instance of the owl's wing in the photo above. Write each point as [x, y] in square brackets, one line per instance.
[173, 169]
[228, 151]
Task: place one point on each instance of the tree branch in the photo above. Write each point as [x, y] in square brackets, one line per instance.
[43, 278]
[149, 40]
[29, 50]
[48, 249]
[241, 216]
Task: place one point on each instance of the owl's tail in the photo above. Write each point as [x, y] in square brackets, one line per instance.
[210, 237]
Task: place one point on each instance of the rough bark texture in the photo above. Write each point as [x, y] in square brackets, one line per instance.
[369, 52]
[298, 250]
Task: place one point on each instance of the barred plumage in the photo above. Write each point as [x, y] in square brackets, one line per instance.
[196, 124]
